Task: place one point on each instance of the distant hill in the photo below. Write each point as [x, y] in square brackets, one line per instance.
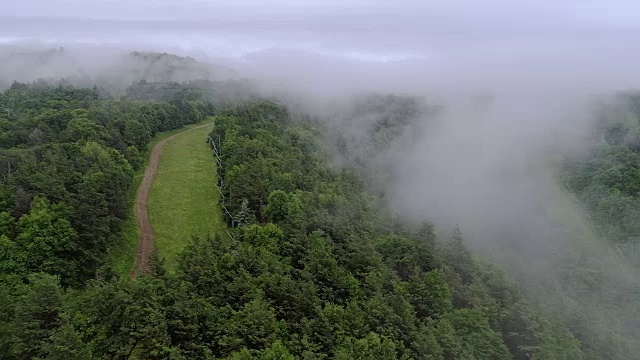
[164, 67]
[109, 69]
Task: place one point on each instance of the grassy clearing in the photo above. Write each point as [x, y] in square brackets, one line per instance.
[183, 201]
[122, 255]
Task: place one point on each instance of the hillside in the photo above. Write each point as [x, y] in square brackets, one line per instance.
[114, 71]
[606, 178]
[315, 265]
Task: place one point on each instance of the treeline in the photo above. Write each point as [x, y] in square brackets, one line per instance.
[387, 282]
[67, 157]
[315, 269]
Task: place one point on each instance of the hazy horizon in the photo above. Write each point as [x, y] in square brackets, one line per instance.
[515, 82]
[482, 41]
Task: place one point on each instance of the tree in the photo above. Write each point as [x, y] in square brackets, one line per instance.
[334, 284]
[268, 237]
[458, 257]
[477, 340]
[47, 240]
[66, 343]
[133, 156]
[136, 134]
[245, 216]
[372, 347]
[426, 346]
[254, 327]
[277, 351]
[81, 128]
[7, 225]
[430, 295]
[127, 316]
[36, 316]
[278, 206]
[9, 257]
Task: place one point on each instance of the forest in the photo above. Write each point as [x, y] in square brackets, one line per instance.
[314, 264]
[606, 180]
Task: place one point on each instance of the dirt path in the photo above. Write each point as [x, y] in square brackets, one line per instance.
[145, 241]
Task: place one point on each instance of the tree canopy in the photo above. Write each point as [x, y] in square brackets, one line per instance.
[314, 265]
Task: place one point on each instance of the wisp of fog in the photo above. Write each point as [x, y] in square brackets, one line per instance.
[515, 84]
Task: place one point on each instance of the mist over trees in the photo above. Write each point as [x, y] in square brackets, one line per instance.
[113, 69]
[318, 268]
[320, 263]
[606, 178]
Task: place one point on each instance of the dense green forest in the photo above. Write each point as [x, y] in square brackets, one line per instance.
[67, 158]
[314, 265]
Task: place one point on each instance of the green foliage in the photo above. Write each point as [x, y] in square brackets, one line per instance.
[66, 344]
[133, 156]
[75, 149]
[372, 347]
[46, 240]
[9, 257]
[334, 284]
[245, 216]
[267, 236]
[430, 295]
[136, 133]
[276, 352]
[477, 340]
[333, 270]
[316, 269]
[36, 316]
[253, 327]
[278, 206]
[127, 316]
[80, 127]
[607, 181]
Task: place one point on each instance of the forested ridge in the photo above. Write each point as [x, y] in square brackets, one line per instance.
[315, 267]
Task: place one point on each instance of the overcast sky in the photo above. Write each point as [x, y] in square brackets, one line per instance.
[598, 10]
[585, 40]
[385, 30]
